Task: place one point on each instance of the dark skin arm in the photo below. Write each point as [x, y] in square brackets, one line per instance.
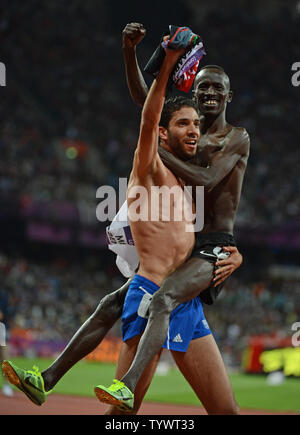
[228, 266]
[133, 33]
[236, 146]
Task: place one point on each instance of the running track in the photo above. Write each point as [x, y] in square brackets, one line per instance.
[74, 405]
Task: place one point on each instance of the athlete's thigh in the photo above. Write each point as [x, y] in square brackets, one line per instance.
[204, 369]
[188, 280]
[127, 354]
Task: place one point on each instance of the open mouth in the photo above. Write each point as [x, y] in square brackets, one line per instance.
[210, 103]
[191, 143]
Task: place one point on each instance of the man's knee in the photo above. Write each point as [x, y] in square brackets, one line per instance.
[164, 301]
[109, 309]
[186, 284]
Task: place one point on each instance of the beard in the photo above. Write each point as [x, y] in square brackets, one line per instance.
[178, 148]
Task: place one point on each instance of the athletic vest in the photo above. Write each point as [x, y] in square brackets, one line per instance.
[120, 241]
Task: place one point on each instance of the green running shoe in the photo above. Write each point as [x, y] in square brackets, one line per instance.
[29, 382]
[117, 394]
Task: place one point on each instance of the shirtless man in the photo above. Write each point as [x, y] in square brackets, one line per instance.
[219, 166]
[38, 385]
[162, 245]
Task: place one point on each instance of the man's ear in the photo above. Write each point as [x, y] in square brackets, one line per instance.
[163, 133]
[230, 95]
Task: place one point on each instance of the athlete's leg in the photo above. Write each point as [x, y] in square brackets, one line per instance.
[204, 369]
[87, 338]
[126, 356]
[182, 285]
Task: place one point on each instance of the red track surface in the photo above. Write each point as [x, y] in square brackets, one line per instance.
[74, 405]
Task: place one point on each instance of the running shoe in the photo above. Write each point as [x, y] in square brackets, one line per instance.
[30, 382]
[117, 394]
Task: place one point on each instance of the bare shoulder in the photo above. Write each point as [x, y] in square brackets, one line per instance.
[240, 139]
[242, 133]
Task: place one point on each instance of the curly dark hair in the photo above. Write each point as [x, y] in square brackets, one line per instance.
[172, 105]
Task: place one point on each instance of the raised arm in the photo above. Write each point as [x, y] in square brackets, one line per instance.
[146, 153]
[236, 146]
[133, 33]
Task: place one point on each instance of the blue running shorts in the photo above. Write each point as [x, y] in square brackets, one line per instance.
[187, 322]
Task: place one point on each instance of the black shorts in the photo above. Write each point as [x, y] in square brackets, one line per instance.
[208, 246]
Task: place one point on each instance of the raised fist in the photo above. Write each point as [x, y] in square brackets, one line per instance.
[133, 33]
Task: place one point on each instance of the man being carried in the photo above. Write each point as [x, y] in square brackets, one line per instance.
[37, 385]
[219, 166]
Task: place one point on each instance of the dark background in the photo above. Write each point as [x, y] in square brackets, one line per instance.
[66, 93]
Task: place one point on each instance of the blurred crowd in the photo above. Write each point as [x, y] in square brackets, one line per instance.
[253, 308]
[62, 118]
[53, 300]
[68, 124]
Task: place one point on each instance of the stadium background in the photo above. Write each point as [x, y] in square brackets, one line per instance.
[68, 126]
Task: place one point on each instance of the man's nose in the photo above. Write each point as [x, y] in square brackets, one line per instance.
[193, 131]
[210, 91]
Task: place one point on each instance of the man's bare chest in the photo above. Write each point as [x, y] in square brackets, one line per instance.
[209, 145]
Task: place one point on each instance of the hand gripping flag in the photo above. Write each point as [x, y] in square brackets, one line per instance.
[185, 70]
